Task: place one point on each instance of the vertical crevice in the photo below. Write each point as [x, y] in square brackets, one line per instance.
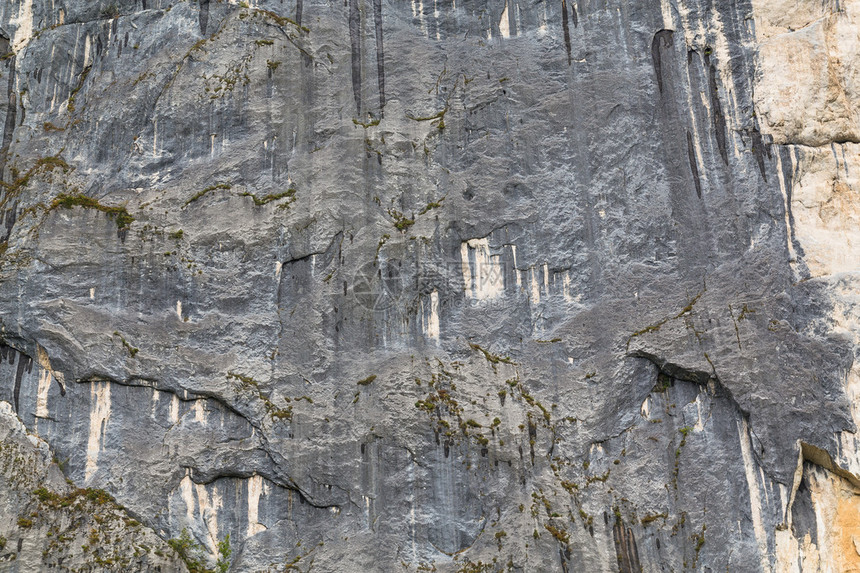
[204, 16]
[299, 12]
[663, 37]
[789, 176]
[380, 56]
[717, 110]
[566, 29]
[25, 364]
[694, 166]
[758, 149]
[9, 219]
[11, 113]
[355, 44]
[625, 549]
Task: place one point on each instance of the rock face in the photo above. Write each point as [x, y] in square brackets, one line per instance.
[459, 286]
[49, 524]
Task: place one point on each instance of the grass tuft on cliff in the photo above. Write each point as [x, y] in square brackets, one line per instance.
[120, 215]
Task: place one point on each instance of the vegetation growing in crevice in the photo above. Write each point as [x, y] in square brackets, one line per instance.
[656, 326]
[190, 552]
[684, 431]
[132, 351]
[247, 383]
[20, 181]
[203, 192]
[288, 194]
[664, 382]
[431, 205]
[73, 94]
[654, 517]
[493, 359]
[372, 123]
[120, 215]
[401, 222]
[78, 496]
[281, 20]
[222, 565]
[699, 538]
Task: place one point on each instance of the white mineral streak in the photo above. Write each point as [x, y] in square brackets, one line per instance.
[755, 497]
[199, 412]
[42, 393]
[186, 491]
[208, 506]
[516, 271]
[431, 325]
[255, 490]
[505, 23]
[666, 8]
[23, 25]
[46, 376]
[482, 272]
[99, 414]
[174, 408]
[535, 286]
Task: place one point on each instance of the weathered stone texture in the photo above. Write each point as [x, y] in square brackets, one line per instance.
[484, 285]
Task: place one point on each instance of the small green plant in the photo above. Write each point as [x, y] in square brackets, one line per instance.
[25, 523]
[664, 382]
[431, 205]
[224, 552]
[132, 351]
[491, 358]
[654, 517]
[177, 235]
[401, 222]
[367, 380]
[189, 551]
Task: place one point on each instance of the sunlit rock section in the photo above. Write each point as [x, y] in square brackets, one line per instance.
[806, 99]
[808, 83]
[822, 533]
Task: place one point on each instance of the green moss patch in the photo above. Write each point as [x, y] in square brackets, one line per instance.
[120, 215]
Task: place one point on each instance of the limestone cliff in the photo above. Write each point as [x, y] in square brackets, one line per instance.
[485, 285]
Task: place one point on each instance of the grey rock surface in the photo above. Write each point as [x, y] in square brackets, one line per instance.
[49, 524]
[484, 285]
